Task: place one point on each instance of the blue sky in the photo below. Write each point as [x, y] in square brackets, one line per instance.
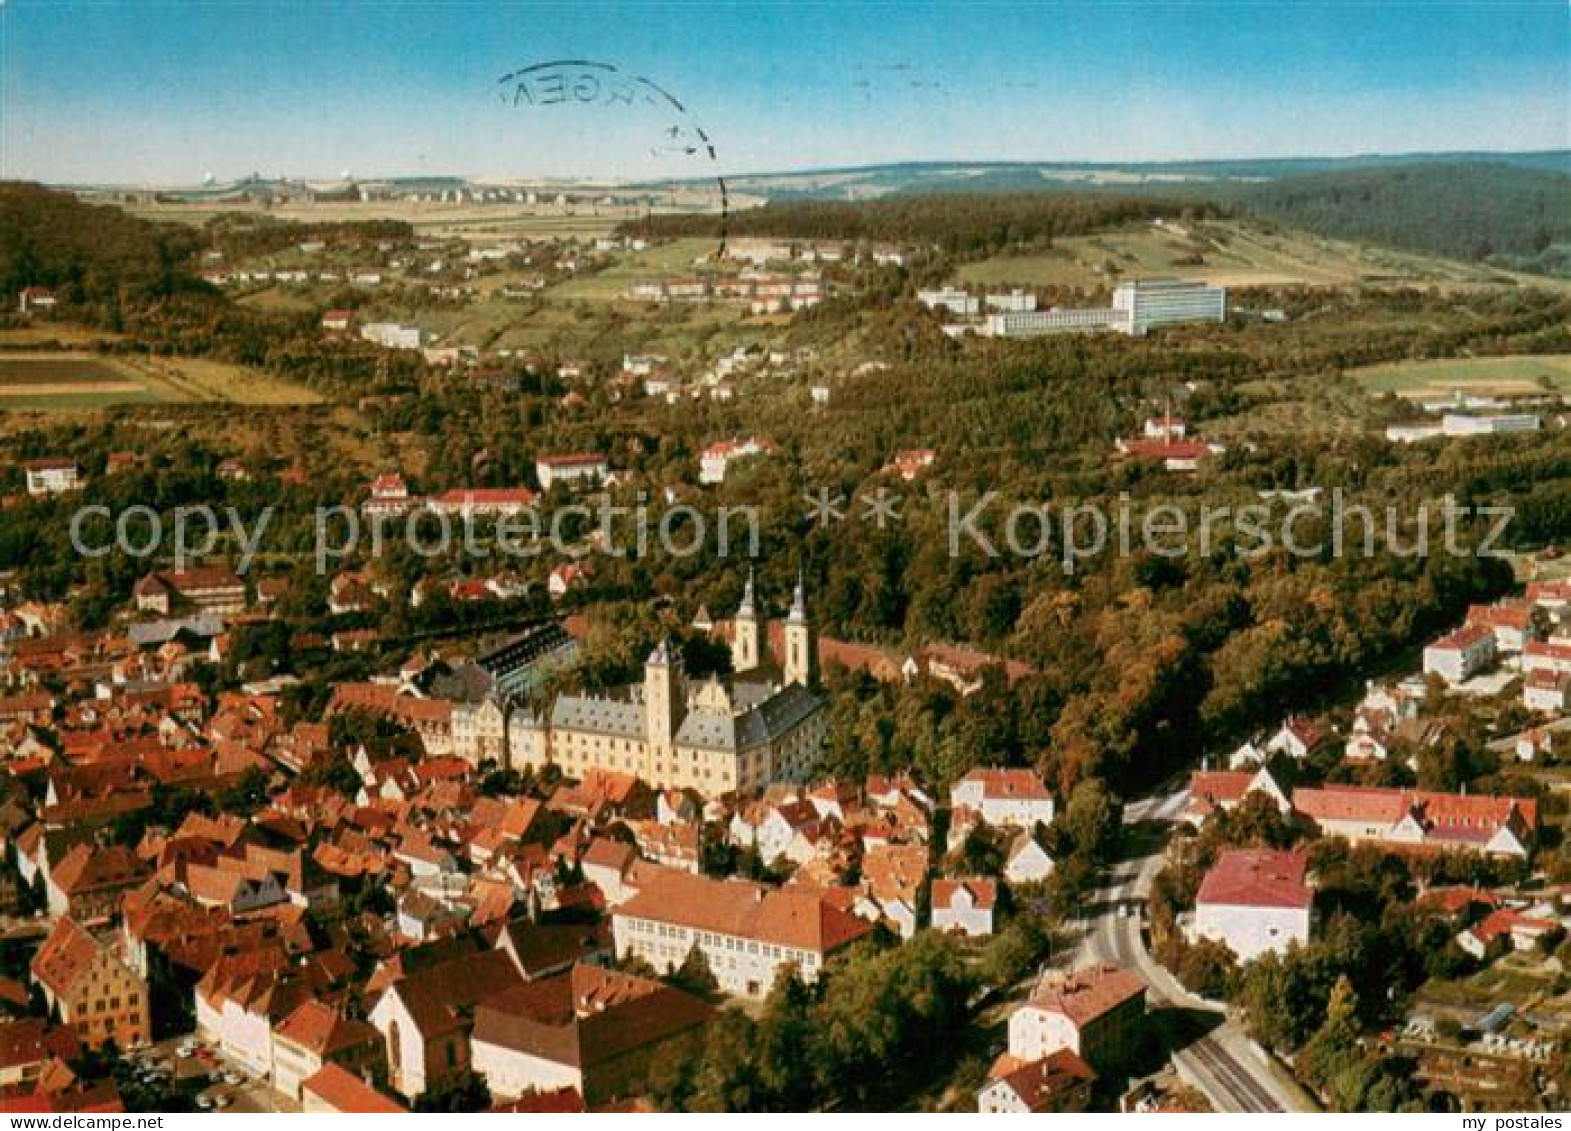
[138, 91]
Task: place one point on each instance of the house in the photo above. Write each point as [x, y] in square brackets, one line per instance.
[1008, 798]
[31, 299]
[337, 321]
[1027, 860]
[89, 882]
[29, 1044]
[574, 470]
[566, 577]
[1511, 623]
[541, 949]
[1458, 656]
[1521, 931]
[206, 588]
[746, 932]
[389, 495]
[965, 906]
[1094, 1012]
[1059, 1082]
[910, 463]
[1254, 902]
[1213, 790]
[589, 1029]
[606, 864]
[316, 1035]
[333, 1089]
[1547, 692]
[717, 458]
[425, 1018]
[486, 502]
[1547, 656]
[51, 476]
[1296, 738]
[92, 989]
[893, 876]
[1421, 820]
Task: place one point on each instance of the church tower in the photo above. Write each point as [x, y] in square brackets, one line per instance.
[744, 634]
[664, 696]
[798, 664]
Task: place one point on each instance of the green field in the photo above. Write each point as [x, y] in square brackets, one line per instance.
[1528, 375]
[77, 382]
[1231, 254]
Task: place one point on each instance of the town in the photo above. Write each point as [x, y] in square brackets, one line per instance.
[569, 620]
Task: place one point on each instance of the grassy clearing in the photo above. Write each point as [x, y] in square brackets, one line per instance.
[1528, 375]
[76, 382]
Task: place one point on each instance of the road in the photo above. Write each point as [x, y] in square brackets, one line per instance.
[1222, 1061]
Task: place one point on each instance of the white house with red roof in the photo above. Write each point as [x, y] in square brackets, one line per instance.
[1547, 692]
[1005, 798]
[486, 501]
[717, 458]
[1510, 622]
[1458, 656]
[1296, 737]
[389, 495]
[965, 906]
[1211, 790]
[1520, 929]
[1255, 902]
[574, 470]
[1548, 656]
[1093, 1012]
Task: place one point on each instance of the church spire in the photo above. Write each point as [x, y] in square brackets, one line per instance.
[798, 613]
[746, 608]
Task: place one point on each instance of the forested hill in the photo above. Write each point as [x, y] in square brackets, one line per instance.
[962, 224]
[1514, 216]
[93, 254]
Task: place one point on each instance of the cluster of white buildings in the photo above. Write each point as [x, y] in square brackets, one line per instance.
[1137, 307]
[1458, 424]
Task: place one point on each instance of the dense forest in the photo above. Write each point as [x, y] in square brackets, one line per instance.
[1482, 211]
[964, 224]
[95, 255]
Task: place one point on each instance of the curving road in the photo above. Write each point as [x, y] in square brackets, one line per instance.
[1223, 1063]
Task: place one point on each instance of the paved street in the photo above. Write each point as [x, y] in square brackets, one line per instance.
[1220, 1059]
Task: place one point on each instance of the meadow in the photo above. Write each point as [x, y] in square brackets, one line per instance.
[64, 381]
[1525, 375]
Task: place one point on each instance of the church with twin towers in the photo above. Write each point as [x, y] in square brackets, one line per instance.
[716, 736]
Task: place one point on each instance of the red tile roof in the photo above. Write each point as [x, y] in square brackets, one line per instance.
[345, 1092]
[1087, 994]
[788, 917]
[1254, 877]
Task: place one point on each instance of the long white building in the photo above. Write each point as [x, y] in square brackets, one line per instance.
[1157, 302]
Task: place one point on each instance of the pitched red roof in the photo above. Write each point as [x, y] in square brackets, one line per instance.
[1254, 877]
[345, 1092]
[790, 917]
[1086, 994]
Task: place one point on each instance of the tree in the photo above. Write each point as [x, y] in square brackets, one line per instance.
[465, 1092]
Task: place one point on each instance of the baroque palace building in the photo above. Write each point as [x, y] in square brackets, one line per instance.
[714, 736]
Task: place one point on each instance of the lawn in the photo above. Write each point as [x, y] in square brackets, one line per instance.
[1528, 375]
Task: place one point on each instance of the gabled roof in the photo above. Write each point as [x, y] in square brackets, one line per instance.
[586, 1016]
[1254, 877]
[1086, 994]
[788, 917]
[345, 1092]
[323, 1031]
